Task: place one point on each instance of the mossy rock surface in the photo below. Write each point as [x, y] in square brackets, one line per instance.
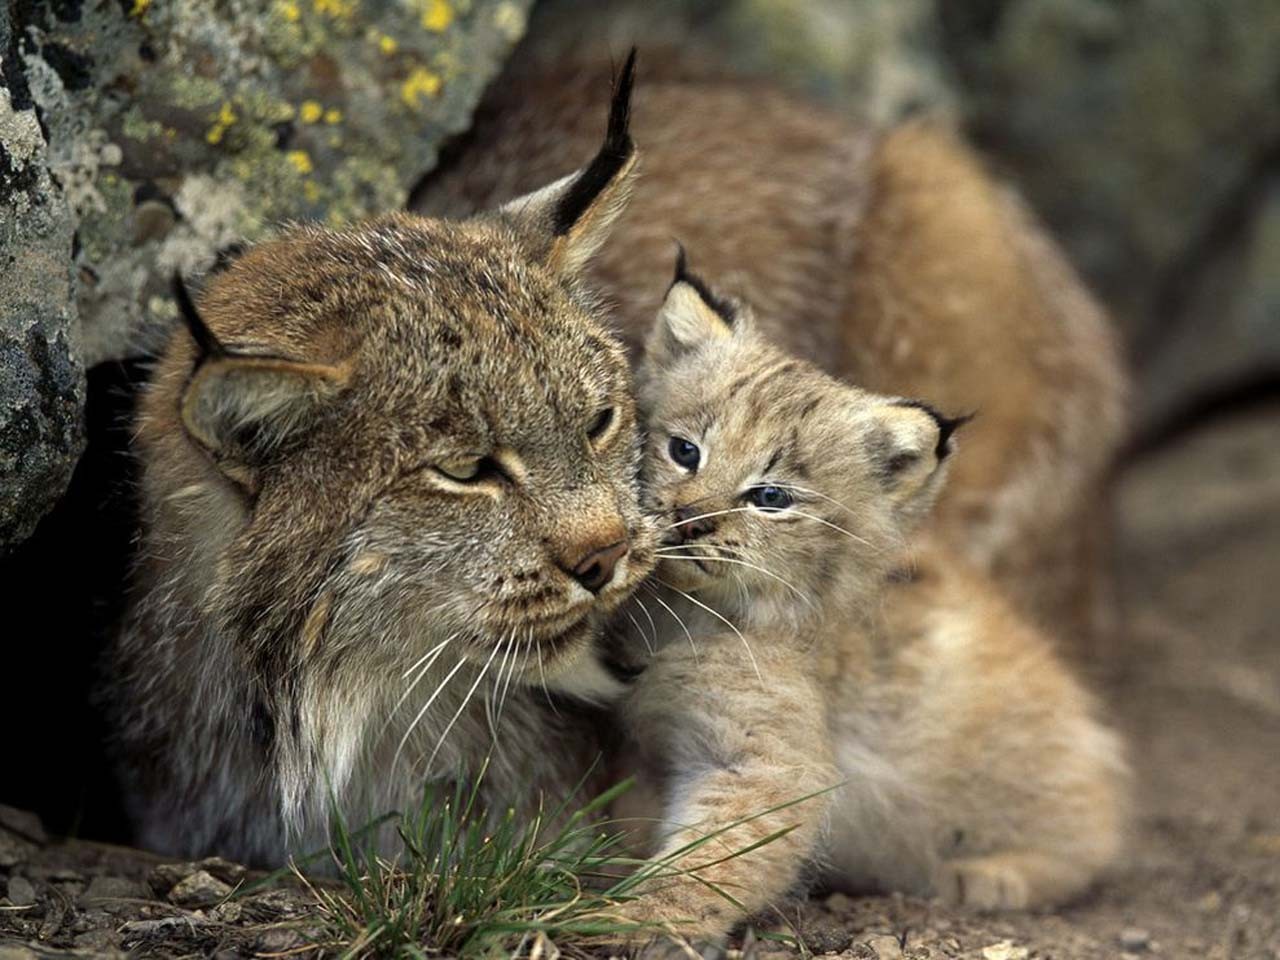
[140, 137]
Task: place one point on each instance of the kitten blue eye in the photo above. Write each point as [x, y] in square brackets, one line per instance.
[684, 452]
[769, 498]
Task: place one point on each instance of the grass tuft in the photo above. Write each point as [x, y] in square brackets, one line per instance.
[473, 886]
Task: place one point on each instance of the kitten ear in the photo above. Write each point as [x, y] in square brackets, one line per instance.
[240, 407]
[912, 445]
[692, 314]
[570, 219]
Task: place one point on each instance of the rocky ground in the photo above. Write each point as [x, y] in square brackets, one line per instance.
[1196, 687]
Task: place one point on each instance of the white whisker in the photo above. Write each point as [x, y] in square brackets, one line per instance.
[425, 707]
[716, 613]
[666, 555]
[705, 516]
[457, 713]
[666, 606]
[430, 657]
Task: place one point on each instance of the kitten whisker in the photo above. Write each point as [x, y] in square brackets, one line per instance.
[716, 613]
[705, 516]
[667, 555]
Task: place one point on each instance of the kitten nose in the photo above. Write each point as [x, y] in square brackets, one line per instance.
[692, 523]
[595, 570]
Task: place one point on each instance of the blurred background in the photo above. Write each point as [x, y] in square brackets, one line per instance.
[142, 136]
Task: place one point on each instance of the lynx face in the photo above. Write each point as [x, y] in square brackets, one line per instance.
[774, 480]
[419, 430]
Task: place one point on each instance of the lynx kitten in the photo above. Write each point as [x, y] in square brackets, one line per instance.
[891, 713]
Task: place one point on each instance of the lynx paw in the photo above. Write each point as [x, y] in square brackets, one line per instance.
[984, 883]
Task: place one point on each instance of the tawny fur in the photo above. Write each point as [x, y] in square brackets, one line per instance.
[889, 257]
[910, 730]
[370, 470]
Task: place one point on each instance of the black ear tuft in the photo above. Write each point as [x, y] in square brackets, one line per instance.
[946, 425]
[227, 256]
[206, 342]
[613, 155]
[722, 308]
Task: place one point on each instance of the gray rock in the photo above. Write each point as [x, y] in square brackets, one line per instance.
[1145, 133]
[1227, 326]
[200, 889]
[239, 117]
[173, 130]
[21, 892]
[41, 377]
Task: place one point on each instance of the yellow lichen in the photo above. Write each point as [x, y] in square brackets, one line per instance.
[510, 21]
[224, 118]
[290, 11]
[338, 9]
[421, 82]
[332, 116]
[300, 160]
[437, 15]
[311, 190]
[387, 45]
[310, 112]
[139, 8]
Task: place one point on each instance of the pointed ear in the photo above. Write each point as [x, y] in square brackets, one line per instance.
[241, 407]
[692, 314]
[569, 220]
[912, 446]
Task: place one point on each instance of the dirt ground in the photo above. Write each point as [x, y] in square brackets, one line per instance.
[1195, 687]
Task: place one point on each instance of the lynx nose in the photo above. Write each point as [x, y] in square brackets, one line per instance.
[595, 570]
[692, 523]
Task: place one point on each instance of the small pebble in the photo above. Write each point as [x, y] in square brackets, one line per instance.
[1004, 950]
[1134, 939]
[886, 948]
[201, 889]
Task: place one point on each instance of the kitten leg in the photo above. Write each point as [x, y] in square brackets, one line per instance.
[736, 748]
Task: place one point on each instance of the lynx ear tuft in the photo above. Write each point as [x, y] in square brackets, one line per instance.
[913, 444]
[616, 153]
[206, 342]
[692, 314]
[240, 406]
[569, 220]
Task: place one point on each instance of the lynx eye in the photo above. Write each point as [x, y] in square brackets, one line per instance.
[600, 424]
[463, 470]
[770, 499]
[684, 452]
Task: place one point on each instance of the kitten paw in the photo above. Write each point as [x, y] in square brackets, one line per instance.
[983, 883]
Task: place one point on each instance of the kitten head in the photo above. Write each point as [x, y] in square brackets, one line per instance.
[776, 483]
[376, 438]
